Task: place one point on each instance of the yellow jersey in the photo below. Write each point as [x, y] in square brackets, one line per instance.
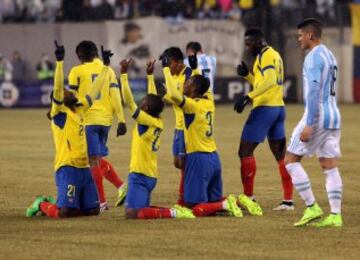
[199, 115]
[145, 140]
[108, 101]
[67, 125]
[179, 81]
[267, 79]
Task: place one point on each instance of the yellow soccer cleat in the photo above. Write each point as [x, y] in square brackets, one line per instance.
[333, 220]
[310, 214]
[232, 207]
[183, 212]
[251, 206]
[121, 195]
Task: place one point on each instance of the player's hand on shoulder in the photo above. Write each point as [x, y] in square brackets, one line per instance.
[59, 51]
[241, 103]
[106, 55]
[124, 65]
[165, 61]
[150, 65]
[242, 69]
[121, 129]
[193, 62]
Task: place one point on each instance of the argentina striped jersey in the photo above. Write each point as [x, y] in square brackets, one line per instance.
[319, 85]
[207, 66]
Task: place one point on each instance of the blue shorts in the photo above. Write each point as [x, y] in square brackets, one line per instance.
[139, 191]
[96, 138]
[179, 143]
[203, 181]
[264, 121]
[76, 188]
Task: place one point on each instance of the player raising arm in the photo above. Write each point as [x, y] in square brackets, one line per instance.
[203, 181]
[319, 129]
[99, 118]
[144, 146]
[179, 73]
[76, 191]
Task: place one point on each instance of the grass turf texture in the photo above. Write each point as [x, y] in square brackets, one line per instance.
[26, 170]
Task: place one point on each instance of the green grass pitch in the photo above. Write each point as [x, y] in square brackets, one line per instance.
[26, 170]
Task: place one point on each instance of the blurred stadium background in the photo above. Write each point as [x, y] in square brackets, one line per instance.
[142, 29]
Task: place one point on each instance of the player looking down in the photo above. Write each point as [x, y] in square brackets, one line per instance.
[76, 191]
[143, 172]
[266, 120]
[179, 73]
[319, 129]
[202, 179]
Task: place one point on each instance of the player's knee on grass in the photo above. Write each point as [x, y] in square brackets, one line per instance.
[277, 148]
[246, 149]
[328, 163]
[68, 213]
[131, 213]
[92, 212]
[179, 162]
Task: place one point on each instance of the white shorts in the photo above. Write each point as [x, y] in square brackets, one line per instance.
[324, 142]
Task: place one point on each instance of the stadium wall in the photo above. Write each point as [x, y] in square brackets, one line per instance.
[147, 37]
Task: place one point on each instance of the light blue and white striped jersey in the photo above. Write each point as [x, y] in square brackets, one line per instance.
[319, 83]
[207, 66]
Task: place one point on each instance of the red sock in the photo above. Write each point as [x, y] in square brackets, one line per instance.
[207, 209]
[51, 210]
[286, 181]
[97, 174]
[151, 213]
[248, 171]
[110, 174]
[181, 188]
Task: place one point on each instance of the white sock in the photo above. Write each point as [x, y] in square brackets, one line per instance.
[173, 213]
[301, 182]
[334, 189]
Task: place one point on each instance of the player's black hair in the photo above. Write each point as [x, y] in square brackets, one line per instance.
[195, 46]
[255, 32]
[201, 83]
[156, 104]
[86, 50]
[174, 53]
[312, 24]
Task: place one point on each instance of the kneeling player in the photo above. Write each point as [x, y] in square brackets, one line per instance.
[203, 182]
[77, 195]
[143, 163]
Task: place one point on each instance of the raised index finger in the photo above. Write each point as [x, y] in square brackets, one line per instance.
[56, 44]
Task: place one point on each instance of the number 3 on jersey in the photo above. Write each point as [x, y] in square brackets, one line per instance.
[209, 118]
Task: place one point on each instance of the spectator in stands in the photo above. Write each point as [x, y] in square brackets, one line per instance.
[19, 67]
[105, 11]
[5, 69]
[122, 9]
[45, 68]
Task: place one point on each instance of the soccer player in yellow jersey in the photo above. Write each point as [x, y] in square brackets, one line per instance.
[203, 181]
[266, 120]
[144, 146]
[77, 195]
[99, 117]
[179, 73]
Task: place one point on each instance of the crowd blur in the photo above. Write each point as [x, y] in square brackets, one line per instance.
[249, 11]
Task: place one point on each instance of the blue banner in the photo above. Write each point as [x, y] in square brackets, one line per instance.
[37, 93]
